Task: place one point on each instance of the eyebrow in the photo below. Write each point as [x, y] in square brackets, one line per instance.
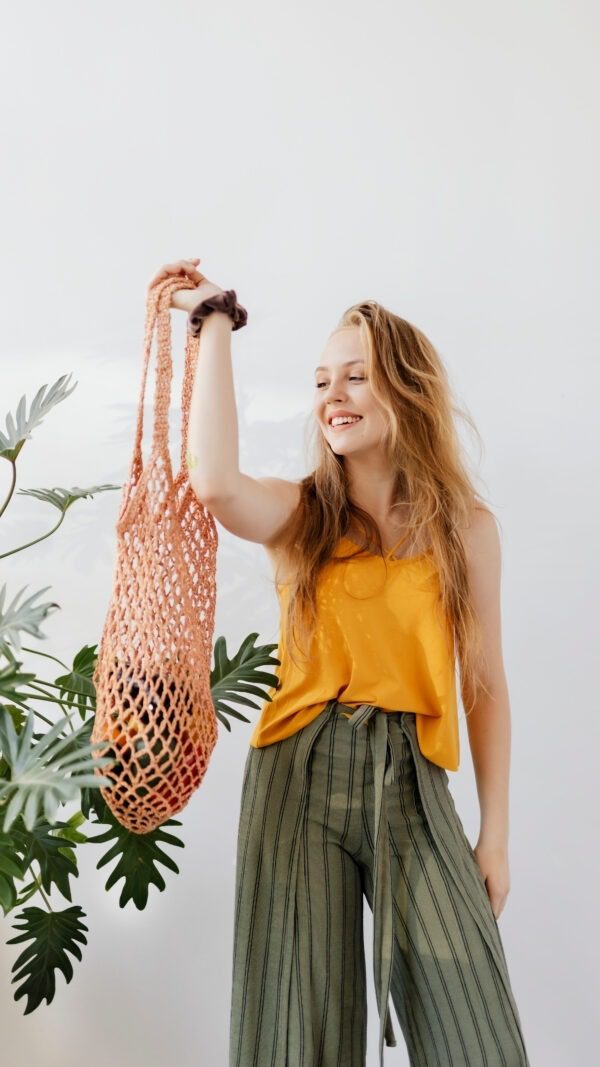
[348, 363]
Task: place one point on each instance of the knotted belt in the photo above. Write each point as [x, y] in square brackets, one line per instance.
[384, 774]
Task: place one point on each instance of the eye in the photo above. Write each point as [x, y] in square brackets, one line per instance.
[354, 378]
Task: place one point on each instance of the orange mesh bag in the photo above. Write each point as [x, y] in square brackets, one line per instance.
[154, 707]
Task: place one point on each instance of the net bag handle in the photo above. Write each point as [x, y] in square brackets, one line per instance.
[158, 318]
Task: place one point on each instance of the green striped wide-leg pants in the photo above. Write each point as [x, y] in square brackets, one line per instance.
[345, 807]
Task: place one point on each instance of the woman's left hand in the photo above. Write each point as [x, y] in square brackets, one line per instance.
[492, 861]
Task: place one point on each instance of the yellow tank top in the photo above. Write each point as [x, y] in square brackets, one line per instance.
[380, 639]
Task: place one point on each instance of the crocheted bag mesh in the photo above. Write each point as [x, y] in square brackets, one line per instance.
[154, 707]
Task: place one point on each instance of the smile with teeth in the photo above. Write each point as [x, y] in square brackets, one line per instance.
[342, 422]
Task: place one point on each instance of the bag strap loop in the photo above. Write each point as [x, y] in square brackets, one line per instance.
[158, 321]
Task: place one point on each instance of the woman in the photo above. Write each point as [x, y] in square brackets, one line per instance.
[387, 567]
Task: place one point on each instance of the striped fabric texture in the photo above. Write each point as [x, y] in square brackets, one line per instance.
[349, 807]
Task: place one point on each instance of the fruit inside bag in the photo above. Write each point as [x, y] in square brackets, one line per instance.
[138, 728]
[154, 710]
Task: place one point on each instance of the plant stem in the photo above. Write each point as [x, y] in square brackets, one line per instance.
[32, 685]
[53, 685]
[38, 714]
[41, 889]
[52, 700]
[37, 652]
[37, 540]
[12, 486]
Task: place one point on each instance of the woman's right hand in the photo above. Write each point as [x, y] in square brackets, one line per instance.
[186, 299]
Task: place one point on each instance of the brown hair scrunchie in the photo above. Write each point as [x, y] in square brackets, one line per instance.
[227, 302]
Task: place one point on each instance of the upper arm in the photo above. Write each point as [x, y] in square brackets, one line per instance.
[484, 562]
[255, 508]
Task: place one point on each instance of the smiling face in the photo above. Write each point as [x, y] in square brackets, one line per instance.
[342, 388]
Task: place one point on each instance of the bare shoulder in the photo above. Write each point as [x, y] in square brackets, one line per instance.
[482, 543]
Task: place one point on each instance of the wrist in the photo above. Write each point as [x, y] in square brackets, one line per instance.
[184, 300]
[493, 835]
[188, 299]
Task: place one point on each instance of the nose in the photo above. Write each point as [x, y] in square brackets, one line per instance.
[332, 394]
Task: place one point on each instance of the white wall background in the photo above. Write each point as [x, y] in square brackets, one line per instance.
[442, 158]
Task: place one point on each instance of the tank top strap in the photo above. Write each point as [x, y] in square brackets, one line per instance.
[394, 547]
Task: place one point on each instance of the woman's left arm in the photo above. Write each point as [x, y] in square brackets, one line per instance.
[488, 724]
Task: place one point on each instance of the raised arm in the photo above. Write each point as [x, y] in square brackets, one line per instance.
[252, 508]
[212, 444]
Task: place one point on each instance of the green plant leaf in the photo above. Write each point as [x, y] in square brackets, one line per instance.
[53, 935]
[11, 677]
[231, 678]
[62, 499]
[17, 431]
[77, 685]
[138, 858]
[51, 847]
[57, 863]
[18, 717]
[46, 774]
[69, 829]
[92, 802]
[27, 891]
[12, 868]
[23, 618]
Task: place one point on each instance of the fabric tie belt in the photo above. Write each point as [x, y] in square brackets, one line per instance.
[384, 774]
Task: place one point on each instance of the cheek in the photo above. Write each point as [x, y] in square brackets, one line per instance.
[370, 409]
[376, 423]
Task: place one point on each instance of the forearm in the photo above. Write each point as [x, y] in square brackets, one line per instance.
[489, 731]
[212, 441]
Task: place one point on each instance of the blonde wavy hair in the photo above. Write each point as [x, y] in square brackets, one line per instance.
[409, 380]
